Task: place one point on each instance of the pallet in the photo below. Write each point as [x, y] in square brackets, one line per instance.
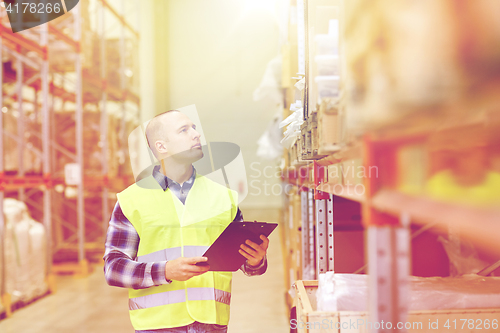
[309, 320]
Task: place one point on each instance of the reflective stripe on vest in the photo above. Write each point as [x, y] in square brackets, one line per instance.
[173, 253]
[209, 294]
[178, 296]
[149, 301]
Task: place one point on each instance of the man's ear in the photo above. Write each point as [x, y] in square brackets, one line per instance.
[161, 147]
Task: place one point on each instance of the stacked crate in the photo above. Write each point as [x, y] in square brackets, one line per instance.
[25, 254]
[413, 57]
[291, 239]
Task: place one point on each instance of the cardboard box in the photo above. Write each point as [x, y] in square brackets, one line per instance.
[309, 320]
[329, 127]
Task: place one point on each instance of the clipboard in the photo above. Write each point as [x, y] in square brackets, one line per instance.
[223, 255]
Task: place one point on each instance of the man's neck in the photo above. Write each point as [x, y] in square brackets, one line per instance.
[177, 172]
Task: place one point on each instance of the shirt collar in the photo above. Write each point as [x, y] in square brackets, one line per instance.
[165, 182]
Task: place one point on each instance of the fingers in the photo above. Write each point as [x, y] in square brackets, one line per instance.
[252, 246]
[191, 266]
[253, 252]
[182, 268]
[253, 260]
[194, 260]
[263, 246]
[192, 269]
[197, 270]
[265, 242]
[246, 255]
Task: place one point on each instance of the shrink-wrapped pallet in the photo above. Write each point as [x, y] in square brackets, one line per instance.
[125, 165]
[92, 145]
[25, 253]
[32, 162]
[114, 52]
[404, 56]
[62, 55]
[349, 292]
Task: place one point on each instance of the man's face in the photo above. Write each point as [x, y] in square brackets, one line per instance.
[182, 140]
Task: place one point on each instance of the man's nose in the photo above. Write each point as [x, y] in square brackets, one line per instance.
[196, 134]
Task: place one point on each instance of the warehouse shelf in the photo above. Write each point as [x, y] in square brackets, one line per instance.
[114, 92]
[16, 47]
[343, 191]
[423, 210]
[15, 40]
[24, 182]
[418, 127]
[347, 191]
[58, 34]
[350, 152]
[122, 20]
[57, 85]
[408, 140]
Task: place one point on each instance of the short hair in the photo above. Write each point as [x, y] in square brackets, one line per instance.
[156, 130]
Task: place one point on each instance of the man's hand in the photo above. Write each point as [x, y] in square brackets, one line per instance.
[182, 269]
[254, 252]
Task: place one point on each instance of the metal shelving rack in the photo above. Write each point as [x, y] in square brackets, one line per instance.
[54, 88]
[14, 44]
[387, 212]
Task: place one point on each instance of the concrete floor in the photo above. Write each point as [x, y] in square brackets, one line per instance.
[88, 304]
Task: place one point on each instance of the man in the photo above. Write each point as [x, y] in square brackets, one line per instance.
[159, 230]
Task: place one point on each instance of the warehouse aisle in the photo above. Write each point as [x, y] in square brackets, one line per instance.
[258, 302]
[80, 305]
[83, 305]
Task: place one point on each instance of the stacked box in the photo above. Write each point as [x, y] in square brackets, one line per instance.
[310, 135]
[65, 136]
[407, 56]
[292, 268]
[353, 172]
[296, 235]
[311, 320]
[292, 238]
[293, 153]
[32, 162]
[296, 157]
[329, 127]
[306, 140]
[25, 253]
[92, 145]
[285, 242]
[62, 55]
[335, 174]
[113, 56]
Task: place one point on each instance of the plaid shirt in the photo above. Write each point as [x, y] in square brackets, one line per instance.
[121, 268]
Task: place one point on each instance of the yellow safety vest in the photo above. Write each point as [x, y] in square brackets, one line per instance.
[168, 230]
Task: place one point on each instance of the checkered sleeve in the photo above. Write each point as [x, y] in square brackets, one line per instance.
[255, 270]
[121, 268]
[246, 268]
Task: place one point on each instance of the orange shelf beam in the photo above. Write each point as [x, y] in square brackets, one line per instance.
[62, 36]
[120, 18]
[13, 41]
[22, 182]
[344, 191]
[478, 224]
